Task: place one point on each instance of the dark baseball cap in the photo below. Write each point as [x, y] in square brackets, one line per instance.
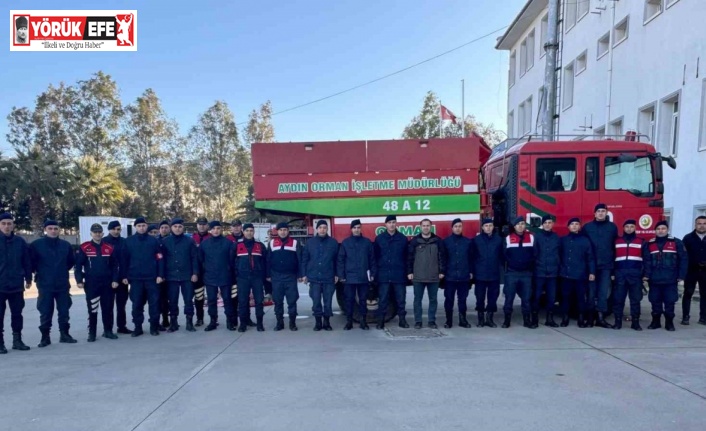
[202, 220]
[96, 227]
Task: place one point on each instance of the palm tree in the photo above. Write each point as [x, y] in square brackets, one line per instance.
[96, 186]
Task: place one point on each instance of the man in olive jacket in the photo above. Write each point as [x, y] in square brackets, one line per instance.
[426, 265]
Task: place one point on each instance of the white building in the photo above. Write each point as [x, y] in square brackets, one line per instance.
[657, 86]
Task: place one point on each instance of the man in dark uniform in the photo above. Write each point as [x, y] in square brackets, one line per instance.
[518, 249]
[356, 269]
[216, 256]
[144, 270]
[391, 259]
[284, 269]
[181, 269]
[52, 259]
[250, 268]
[628, 275]
[577, 266]
[15, 276]
[164, 231]
[153, 230]
[602, 233]
[666, 264]
[97, 273]
[459, 263]
[426, 267]
[695, 244]
[487, 251]
[235, 236]
[199, 288]
[122, 292]
[546, 270]
[319, 260]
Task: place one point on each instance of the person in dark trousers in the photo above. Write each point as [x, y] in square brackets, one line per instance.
[391, 259]
[356, 270]
[97, 273]
[546, 270]
[602, 233]
[695, 244]
[577, 267]
[235, 236]
[199, 288]
[181, 269]
[518, 250]
[122, 292]
[15, 277]
[284, 269]
[426, 266]
[143, 267]
[164, 232]
[52, 259]
[459, 263]
[666, 263]
[488, 258]
[216, 257]
[250, 268]
[628, 275]
[320, 257]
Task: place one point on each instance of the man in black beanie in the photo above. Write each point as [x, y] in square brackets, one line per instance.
[459, 272]
[391, 258]
[284, 269]
[356, 269]
[181, 269]
[546, 270]
[319, 260]
[602, 233]
[15, 277]
[628, 275]
[122, 293]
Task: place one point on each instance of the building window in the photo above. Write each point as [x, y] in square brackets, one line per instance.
[647, 122]
[521, 119]
[699, 210]
[556, 175]
[523, 57]
[511, 124]
[569, 14]
[616, 127]
[583, 7]
[603, 45]
[543, 34]
[670, 3]
[581, 61]
[530, 50]
[599, 131]
[702, 131]
[668, 217]
[620, 31]
[592, 174]
[528, 116]
[669, 125]
[652, 9]
[568, 90]
[511, 73]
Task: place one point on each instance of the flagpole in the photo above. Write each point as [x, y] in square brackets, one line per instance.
[441, 120]
[463, 108]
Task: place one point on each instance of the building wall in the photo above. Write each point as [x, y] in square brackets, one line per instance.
[662, 57]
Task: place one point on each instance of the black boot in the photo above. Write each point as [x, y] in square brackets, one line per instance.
[481, 320]
[601, 322]
[381, 323]
[685, 320]
[669, 323]
[363, 323]
[588, 322]
[581, 323]
[550, 320]
[565, 321]
[618, 324]
[190, 324]
[243, 325]
[154, 329]
[137, 332]
[280, 323]
[107, 333]
[526, 320]
[213, 324]
[165, 323]
[66, 337]
[534, 323]
[656, 321]
[92, 323]
[403, 323]
[636, 322]
[317, 326]
[293, 322]
[260, 326]
[173, 325]
[449, 320]
[3, 350]
[349, 324]
[327, 324]
[231, 324]
[198, 306]
[199, 322]
[507, 321]
[46, 340]
[124, 330]
[463, 321]
[489, 322]
[249, 320]
[17, 343]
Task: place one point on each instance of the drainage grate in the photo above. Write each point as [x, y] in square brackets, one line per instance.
[398, 333]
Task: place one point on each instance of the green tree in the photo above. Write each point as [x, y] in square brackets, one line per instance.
[259, 127]
[96, 186]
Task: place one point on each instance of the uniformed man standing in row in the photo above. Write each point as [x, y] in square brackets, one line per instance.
[666, 263]
[602, 233]
[546, 270]
[459, 263]
[97, 272]
[628, 275]
[488, 258]
[356, 269]
[284, 269]
[391, 259]
[164, 232]
[320, 257]
[122, 292]
[52, 259]
[577, 268]
[216, 256]
[15, 277]
[181, 269]
[153, 230]
[426, 266]
[199, 288]
[695, 244]
[143, 267]
[235, 236]
[519, 258]
[250, 269]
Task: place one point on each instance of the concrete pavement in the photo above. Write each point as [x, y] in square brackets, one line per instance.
[565, 378]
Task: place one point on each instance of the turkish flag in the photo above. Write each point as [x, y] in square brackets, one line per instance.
[447, 115]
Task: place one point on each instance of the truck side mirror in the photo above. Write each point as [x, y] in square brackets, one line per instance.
[671, 162]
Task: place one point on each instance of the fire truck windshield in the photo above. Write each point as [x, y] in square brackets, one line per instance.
[634, 176]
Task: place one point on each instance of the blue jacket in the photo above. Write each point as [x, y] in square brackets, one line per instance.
[96, 263]
[181, 260]
[216, 260]
[356, 258]
[250, 259]
[459, 258]
[52, 258]
[665, 260]
[577, 259]
[141, 259]
[546, 251]
[320, 259]
[519, 252]
[391, 257]
[696, 249]
[284, 261]
[602, 235]
[15, 263]
[488, 257]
